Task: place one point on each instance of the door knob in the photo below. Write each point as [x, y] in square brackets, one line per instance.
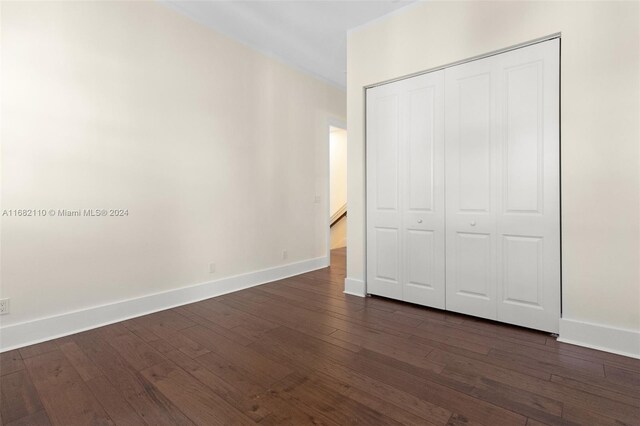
[473, 223]
[419, 220]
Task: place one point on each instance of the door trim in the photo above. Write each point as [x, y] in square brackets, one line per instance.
[462, 61]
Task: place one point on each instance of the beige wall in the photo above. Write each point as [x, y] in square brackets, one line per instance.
[338, 169]
[600, 132]
[216, 151]
[338, 184]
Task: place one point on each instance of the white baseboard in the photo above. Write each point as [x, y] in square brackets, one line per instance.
[42, 329]
[604, 338]
[354, 287]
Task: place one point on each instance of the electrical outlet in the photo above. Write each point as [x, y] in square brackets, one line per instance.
[284, 254]
[4, 306]
[212, 268]
[317, 199]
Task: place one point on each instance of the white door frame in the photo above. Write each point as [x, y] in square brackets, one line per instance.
[557, 35]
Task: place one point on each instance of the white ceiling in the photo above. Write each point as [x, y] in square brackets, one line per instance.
[311, 35]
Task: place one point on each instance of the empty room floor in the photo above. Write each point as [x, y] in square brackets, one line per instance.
[299, 351]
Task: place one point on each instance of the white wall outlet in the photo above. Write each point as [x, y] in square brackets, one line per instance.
[317, 199]
[212, 268]
[4, 306]
[285, 254]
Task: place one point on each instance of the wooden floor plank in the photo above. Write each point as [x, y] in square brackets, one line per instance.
[65, 396]
[39, 418]
[307, 362]
[192, 397]
[144, 398]
[135, 351]
[218, 329]
[281, 392]
[335, 406]
[364, 398]
[263, 369]
[475, 371]
[10, 362]
[19, 397]
[174, 338]
[244, 399]
[83, 365]
[112, 401]
[626, 394]
[623, 376]
[38, 349]
[420, 382]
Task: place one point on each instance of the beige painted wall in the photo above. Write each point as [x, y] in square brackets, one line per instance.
[338, 184]
[338, 169]
[216, 150]
[600, 127]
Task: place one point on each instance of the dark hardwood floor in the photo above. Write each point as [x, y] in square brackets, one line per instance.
[299, 351]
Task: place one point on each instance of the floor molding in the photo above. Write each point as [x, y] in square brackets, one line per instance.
[601, 337]
[354, 287]
[42, 329]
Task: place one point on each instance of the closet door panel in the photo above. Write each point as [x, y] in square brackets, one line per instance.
[423, 190]
[522, 268]
[420, 252]
[470, 197]
[383, 192]
[529, 205]
[473, 266]
[474, 115]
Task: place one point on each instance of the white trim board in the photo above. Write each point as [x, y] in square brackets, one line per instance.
[42, 329]
[354, 287]
[601, 337]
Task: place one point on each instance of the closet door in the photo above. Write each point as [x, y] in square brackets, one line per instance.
[383, 191]
[422, 200]
[405, 190]
[471, 145]
[528, 215]
[502, 192]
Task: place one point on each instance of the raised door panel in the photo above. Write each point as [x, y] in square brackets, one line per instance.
[474, 129]
[522, 271]
[420, 259]
[420, 149]
[523, 138]
[529, 204]
[387, 146]
[470, 197]
[387, 248]
[473, 266]
[423, 190]
[383, 192]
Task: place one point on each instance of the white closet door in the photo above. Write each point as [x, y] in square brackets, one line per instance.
[503, 204]
[383, 192]
[405, 190]
[422, 198]
[528, 290]
[471, 143]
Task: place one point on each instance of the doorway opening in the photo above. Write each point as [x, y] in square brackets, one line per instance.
[337, 190]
